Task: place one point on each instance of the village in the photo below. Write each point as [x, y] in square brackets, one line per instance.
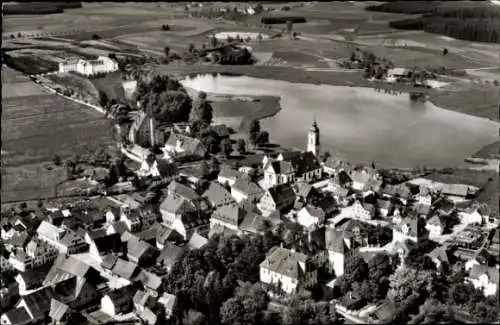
[184, 219]
[329, 227]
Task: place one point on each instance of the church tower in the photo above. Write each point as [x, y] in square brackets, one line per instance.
[313, 144]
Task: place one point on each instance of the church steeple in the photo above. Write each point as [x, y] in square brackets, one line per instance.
[313, 143]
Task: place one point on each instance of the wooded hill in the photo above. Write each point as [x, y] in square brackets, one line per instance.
[479, 22]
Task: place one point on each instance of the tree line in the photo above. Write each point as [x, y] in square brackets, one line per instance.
[38, 8]
[477, 23]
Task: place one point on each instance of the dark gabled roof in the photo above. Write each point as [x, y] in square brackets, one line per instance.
[108, 243]
[165, 234]
[18, 316]
[182, 191]
[232, 214]
[246, 186]
[150, 233]
[34, 277]
[176, 204]
[281, 193]
[165, 168]
[138, 248]
[216, 194]
[303, 189]
[282, 167]
[169, 255]
[327, 204]
[118, 296]
[120, 227]
[305, 162]
[38, 302]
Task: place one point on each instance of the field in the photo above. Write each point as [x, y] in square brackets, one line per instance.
[111, 85]
[79, 84]
[36, 126]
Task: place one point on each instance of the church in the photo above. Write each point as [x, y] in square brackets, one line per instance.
[293, 166]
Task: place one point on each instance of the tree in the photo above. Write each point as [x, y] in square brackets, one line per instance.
[213, 41]
[433, 312]
[166, 50]
[289, 27]
[191, 48]
[165, 27]
[407, 281]
[226, 147]
[259, 37]
[95, 37]
[57, 160]
[23, 206]
[254, 131]
[194, 317]
[39, 204]
[356, 269]
[201, 111]
[241, 146]
[263, 138]
[103, 99]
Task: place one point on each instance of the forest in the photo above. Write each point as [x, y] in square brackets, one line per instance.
[38, 8]
[282, 20]
[477, 23]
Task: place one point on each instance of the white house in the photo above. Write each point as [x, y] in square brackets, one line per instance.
[37, 252]
[227, 216]
[244, 189]
[65, 240]
[118, 301]
[311, 217]
[484, 278]
[288, 269]
[136, 153]
[435, 226]
[180, 146]
[227, 175]
[148, 168]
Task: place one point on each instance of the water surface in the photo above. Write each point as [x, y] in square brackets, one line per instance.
[361, 124]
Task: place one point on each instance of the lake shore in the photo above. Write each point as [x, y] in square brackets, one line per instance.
[476, 100]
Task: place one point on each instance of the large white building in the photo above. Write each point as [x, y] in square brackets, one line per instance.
[89, 67]
[288, 269]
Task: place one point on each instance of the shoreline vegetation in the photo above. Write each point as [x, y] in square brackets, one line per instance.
[466, 101]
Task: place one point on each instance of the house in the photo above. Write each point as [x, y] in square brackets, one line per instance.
[398, 75]
[484, 278]
[150, 280]
[137, 153]
[423, 197]
[75, 292]
[100, 65]
[435, 225]
[138, 251]
[384, 207]
[37, 252]
[196, 241]
[65, 240]
[165, 234]
[125, 269]
[169, 255]
[244, 189]
[218, 196]
[332, 166]
[228, 175]
[9, 290]
[169, 303]
[278, 198]
[37, 304]
[16, 316]
[439, 256]
[455, 192]
[410, 228]
[143, 299]
[278, 172]
[187, 193]
[59, 312]
[67, 267]
[149, 168]
[340, 250]
[363, 210]
[255, 223]
[287, 269]
[131, 218]
[471, 216]
[311, 217]
[118, 301]
[361, 179]
[227, 216]
[174, 207]
[307, 167]
[400, 192]
[181, 146]
[100, 243]
[32, 279]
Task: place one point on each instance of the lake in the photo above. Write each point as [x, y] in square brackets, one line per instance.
[361, 124]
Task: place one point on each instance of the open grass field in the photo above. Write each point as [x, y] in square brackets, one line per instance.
[30, 182]
[111, 85]
[79, 84]
[490, 151]
[22, 89]
[36, 128]
[464, 176]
